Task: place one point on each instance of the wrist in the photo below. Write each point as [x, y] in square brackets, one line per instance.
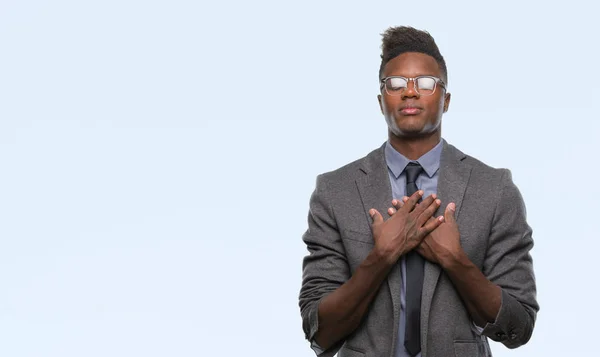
[386, 256]
[454, 260]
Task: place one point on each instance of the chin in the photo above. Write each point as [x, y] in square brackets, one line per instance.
[413, 129]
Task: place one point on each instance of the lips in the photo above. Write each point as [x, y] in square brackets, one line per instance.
[410, 110]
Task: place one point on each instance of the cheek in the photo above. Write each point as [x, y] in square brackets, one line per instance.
[437, 106]
[388, 104]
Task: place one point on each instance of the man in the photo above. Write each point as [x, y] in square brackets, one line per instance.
[449, 266]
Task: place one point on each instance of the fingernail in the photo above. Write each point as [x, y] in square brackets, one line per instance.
[438, 201]
[434, 195]
[441, 218]
[452, 207]
[421, 192]
[371, 212]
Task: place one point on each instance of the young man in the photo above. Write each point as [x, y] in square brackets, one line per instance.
[449, 265]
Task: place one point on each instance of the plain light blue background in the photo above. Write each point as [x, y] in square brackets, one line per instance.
[157, 157]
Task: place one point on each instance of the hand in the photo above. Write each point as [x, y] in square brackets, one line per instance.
[406, 228]
[442, 244]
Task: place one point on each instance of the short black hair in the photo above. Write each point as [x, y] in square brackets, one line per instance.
[402, 39]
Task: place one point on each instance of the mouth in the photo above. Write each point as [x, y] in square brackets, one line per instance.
[410, 110]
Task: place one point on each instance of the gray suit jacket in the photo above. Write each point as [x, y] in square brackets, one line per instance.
[494, 233]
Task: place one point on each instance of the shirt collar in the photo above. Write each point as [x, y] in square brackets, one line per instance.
[397, 162]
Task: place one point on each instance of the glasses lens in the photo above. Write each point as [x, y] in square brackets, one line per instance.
[426, 85]
[395, 84]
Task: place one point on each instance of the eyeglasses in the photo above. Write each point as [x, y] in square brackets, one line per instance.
[423, 85]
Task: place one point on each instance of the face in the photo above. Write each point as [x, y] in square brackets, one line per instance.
[409, 114]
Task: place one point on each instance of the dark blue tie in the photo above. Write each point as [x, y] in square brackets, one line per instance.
[414, 277]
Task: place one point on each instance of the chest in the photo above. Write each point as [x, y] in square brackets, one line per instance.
[474, 222]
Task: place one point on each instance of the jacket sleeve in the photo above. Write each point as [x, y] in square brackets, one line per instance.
[509, 265]
[325, 267]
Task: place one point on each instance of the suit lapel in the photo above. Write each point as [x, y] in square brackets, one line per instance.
[452, 182]
[376, 192]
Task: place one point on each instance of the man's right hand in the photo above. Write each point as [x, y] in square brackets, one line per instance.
[406, 228]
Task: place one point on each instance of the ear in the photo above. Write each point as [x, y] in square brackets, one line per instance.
[380, 103]
[447, 101]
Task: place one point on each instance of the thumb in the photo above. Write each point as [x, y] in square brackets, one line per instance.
[376, 216]
[449, 214]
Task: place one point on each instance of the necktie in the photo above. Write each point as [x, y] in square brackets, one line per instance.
[414, 277]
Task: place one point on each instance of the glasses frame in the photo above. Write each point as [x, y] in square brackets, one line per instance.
[415, 87]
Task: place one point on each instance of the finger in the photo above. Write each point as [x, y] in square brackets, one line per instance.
[412, 200]
[423, 205]
[391, 211]
[431, 225]
[399, 203]
[406, 198]
[431, 219]
[376, 216]
[449, 213]
[428, 212]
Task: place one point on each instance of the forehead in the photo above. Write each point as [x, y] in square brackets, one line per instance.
[412, 64]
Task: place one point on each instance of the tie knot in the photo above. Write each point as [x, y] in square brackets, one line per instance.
[413, 170]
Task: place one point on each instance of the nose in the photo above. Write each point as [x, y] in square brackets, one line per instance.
[410, 91]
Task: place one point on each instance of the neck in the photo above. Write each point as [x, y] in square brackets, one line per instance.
[415, 147]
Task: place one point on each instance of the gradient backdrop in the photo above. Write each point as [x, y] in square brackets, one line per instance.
[157, 157]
